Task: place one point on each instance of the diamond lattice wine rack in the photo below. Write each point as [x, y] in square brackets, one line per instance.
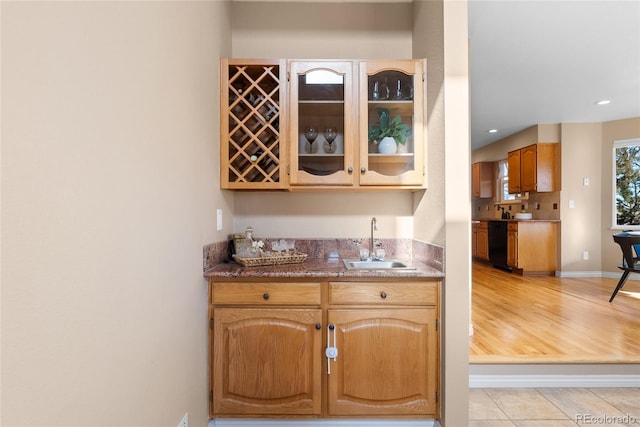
[251, 123]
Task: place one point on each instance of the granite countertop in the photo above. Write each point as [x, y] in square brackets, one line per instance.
[320, 268]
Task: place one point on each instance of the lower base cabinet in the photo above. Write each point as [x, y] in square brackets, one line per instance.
[328, 349]
[387, 362]
[267, 361]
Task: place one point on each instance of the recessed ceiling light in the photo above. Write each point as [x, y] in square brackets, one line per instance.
[603, 102]
[493, 130]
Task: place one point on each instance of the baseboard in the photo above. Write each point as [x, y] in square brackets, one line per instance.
[254, 422]
[557, 375]
[539, 381]
[607, 274]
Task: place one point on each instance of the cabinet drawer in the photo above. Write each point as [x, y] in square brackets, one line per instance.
[383, 293]
[266, 293]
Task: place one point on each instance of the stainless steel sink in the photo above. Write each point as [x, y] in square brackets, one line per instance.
[356, 264]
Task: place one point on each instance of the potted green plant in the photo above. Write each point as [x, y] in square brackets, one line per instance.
[388, 133]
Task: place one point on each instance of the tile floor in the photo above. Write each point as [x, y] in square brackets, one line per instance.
[554, 407]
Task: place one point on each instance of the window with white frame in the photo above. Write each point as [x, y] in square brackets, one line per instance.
[626, 184]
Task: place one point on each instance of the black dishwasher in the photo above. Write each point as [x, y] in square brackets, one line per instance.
[498, 244]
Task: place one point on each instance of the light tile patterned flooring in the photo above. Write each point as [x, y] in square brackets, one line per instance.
[554, 407]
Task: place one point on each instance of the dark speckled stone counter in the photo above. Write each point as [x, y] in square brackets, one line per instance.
[425, 257]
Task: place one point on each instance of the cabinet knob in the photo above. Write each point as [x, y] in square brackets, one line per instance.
[265, 296]
[332, 326]
[350, 169]
[383, 294]
[318, 326]
[363, 170]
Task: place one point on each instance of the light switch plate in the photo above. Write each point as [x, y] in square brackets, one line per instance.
[219, 219]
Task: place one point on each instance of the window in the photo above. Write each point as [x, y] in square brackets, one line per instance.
[503, 195]
[626, 182]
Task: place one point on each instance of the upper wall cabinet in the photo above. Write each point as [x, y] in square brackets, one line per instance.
[482, 181]
[391, 113]
[326, 128]
[534, 168]
[252, 124]
[322, 132]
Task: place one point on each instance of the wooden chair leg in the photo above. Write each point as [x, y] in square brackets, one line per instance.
[620, 284]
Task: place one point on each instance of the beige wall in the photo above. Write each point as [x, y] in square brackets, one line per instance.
[581, 224]
[319, 30]
[109, 188]
[612, 131]
[440, 34]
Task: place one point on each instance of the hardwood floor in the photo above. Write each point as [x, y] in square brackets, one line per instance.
[538, 319]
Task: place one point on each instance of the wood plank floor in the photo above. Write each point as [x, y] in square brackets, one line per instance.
[528, 319]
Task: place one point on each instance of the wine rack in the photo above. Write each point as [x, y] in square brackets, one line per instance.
[252, 124]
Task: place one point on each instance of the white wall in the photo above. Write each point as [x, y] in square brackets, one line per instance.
[109, 185]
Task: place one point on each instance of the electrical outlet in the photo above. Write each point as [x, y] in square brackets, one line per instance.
[184, 422]
[585, 255]
[218, 223]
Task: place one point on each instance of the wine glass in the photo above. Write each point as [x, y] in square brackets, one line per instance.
[330, 135]
[311, 133]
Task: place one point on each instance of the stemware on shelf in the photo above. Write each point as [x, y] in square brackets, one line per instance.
[330, 135]
[311, 133]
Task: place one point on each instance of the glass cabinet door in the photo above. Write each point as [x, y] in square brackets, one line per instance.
[322, 123]
[391, 98]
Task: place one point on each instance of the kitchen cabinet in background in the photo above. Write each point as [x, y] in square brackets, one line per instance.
[534, 168]
[532, 247]
[482, 241]
[482, 180]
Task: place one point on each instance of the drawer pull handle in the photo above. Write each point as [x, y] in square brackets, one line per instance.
[318, 326]
[383, 295]
[265, 296]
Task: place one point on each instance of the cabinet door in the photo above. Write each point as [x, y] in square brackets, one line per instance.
[386, 363]
[482, 241]
[513, 160]
[252, 124]
[266, 361]
[322, 123]
[396, 88]
[528, 169]
[482, 182]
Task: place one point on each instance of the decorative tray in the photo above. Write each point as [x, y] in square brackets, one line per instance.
[271, 260]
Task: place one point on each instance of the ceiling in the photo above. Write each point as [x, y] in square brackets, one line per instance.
[547, 61]
[534, 62]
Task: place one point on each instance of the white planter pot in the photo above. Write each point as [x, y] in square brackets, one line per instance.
[387, 145]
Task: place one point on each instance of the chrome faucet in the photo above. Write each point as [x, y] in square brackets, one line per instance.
[374, 226]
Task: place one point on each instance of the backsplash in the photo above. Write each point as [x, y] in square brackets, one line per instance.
[541, 205]
[433, 255]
